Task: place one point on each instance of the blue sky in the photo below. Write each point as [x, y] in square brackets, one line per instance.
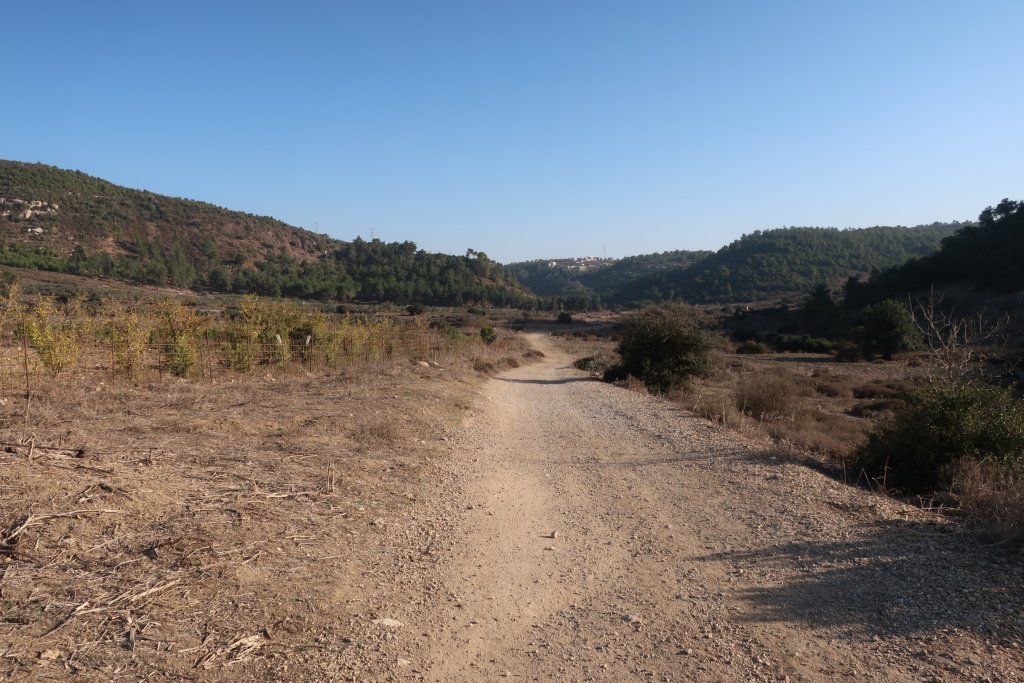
[531, 129]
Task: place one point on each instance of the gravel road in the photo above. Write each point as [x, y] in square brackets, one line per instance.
[577, 531]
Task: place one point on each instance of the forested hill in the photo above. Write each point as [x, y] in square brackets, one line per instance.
[68, 221]
[586, 283]
[773, 263]
[988, 255]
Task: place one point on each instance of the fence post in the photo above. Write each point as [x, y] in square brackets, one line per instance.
[209, 358]
[28, 384]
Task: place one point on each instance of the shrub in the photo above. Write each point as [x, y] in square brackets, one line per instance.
[993, 498]
[752, 347]
[586, 363]
[484, 367]
[564, 318]
[488, 334]
[181, 356]
[665, 346]
[599, 362]
[129, 335]
[867, 408]
[888, 328]
[848, 352]
[920, 448]
[766, 396]
[309, 335]
[55, 334]
[743, 334]
[884, 389]
[831, 385]
[415, 309]
[802, 343]
[180, 328]
[453, 336]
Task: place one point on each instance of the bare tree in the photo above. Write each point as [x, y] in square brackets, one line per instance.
[960, 346]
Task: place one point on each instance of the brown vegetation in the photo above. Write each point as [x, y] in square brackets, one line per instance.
[197, 528]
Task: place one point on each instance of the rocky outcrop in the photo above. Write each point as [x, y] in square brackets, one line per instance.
[26, 209]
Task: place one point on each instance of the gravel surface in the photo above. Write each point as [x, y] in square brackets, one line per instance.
[577, 531]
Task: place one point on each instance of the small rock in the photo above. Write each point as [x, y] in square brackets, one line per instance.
[379, 521]
[553, 534]
[388, 622]
[403, 662]
[50, 655]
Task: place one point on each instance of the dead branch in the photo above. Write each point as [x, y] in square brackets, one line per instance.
[81, 609]
[32, 446]
[960, 346]
[33, 520]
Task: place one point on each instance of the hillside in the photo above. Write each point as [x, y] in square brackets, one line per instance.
[586, 283]
[986, 255]
[773, 263]
[67, 221]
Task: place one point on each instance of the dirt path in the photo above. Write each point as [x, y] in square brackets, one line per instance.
[584, 532]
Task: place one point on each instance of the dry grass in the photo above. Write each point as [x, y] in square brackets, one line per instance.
[993, 499]
[767, 396]
[823, 411]
[808, 408]
[633, 384]
[583, 344]
[830, 436]
[886, 389]
[209, 531]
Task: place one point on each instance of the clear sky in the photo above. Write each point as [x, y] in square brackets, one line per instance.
[530, 129]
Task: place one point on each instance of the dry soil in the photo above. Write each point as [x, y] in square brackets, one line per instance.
[585, 532]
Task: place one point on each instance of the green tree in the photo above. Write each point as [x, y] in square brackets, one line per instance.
[820, 314]
[888, 328]
[666, 345]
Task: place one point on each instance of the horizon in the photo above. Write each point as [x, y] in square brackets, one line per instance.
[534, 131]
[527, 260]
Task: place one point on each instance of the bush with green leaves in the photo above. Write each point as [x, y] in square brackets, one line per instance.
[129, 337]
[55, 333]
[180, 328]
[802, 343]
[488, 334]
[888, 328]
[752, 347]
[848, 352]
[665, 346]
[920, 448]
